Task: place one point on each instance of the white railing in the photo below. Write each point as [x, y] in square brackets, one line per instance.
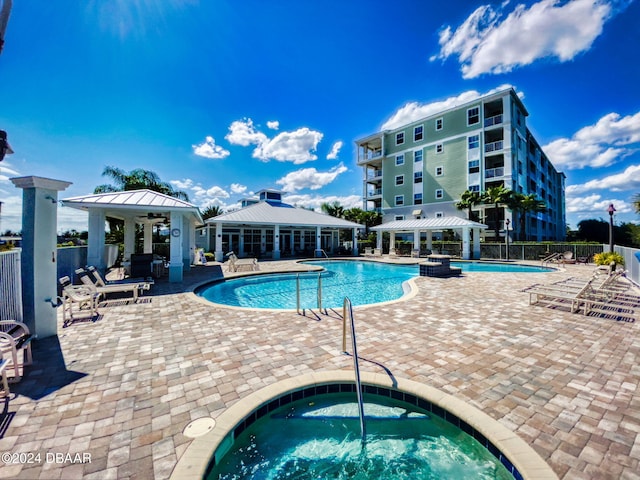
[493, 146]
[494, 172]
[495, 120]
[10, 286]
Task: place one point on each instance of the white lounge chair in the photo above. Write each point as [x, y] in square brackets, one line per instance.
[3, 372]
[135, 288]
[79, 302]
[15, 342]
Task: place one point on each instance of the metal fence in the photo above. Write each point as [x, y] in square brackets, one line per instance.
[10, 286]
[631, 261]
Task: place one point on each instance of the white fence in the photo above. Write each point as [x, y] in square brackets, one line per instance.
[10, 286]
[631, 261]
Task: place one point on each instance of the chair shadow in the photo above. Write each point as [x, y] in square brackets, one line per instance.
[47, 374]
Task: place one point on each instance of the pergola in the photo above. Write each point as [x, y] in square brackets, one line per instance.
[143, 207]
[430, 225]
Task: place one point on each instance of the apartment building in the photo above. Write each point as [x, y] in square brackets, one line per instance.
[422, 169]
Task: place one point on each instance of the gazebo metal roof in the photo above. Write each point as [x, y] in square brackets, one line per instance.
[441, 223]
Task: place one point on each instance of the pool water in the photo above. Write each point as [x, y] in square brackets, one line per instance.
[362, 281]
[319, 437]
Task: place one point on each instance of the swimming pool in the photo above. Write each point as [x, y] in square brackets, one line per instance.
[319, 437]
[364, 282]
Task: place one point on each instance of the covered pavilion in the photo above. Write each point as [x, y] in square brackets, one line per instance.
[429, 225]
[143, 207]
[268, 226]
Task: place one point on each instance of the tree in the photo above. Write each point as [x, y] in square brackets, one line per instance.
[636, 202]
[468, 200]
[524, 204]
[135, 180]
[334, 209]
[496, 196]
[211, 211]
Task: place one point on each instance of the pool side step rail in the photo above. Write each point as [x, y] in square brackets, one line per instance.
[319, 295]
[347, 308]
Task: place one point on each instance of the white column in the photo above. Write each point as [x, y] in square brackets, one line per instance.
[190, 228]
[95, 242]
[276, 242]
[302, 240]
[241, 251]
[129, 237]
[292, 242]
[218, 252]
[476, 243]
[318, 242]
[175, 248]
[148, 237]
[379, 239]
[416, 239]
[39, 262]
[429, 240]
[466, 238]
[392, 240]
[355, 242]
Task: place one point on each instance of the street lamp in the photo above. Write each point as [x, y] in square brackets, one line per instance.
[611, 209]
[507, 222]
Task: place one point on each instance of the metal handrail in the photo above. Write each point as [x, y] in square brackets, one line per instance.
[347, 307]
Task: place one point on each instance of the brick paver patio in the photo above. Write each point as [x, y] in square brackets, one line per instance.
[123, 388]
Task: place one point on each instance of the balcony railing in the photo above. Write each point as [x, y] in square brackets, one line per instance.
[374, 175]
[495, 120]
[493, 146]
[494, 172]
[374, 193]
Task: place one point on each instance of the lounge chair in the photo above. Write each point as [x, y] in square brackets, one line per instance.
[368, 251]
[567, 257]
[377, 252]
[235, 264]
[3, 372]
[101, 282]
[79, 302]
[135, 288]
[15, 342]
[415, 253]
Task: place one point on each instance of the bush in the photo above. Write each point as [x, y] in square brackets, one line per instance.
[605, 258]
[210, 257]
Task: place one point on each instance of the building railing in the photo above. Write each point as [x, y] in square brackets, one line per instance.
[494, 172]
[495, 120]
[494, 146]
[11, 285]
[376, 174]
[374, 193]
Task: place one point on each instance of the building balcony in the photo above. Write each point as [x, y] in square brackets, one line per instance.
[491, 121]
[373, 175]
[373, 194]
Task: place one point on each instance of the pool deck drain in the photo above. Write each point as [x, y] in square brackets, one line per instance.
[199, 427]
[124, 387]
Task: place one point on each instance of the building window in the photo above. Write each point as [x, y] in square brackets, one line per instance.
[438, 124]
[417, 177]
[439, 148]
[399, 138]
[473, 116]
[399, 160]
[399, 200]
[399, 217]
[474, 141]
[399, 180]
[474, 166]
[417, 156]
[474, 188]
[439, 214]
[439, 194]
[439, 171]
[417, 133]
[417, 199]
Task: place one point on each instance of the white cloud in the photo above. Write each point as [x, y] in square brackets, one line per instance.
[209, 149]
[296, 146]
[627, 180]
[611, 139]
[237, 188]
[242, 132]
[315, 201]
[309, 178]
[185, 184]
[414, 111]
[590, 205]
[273, 125]
[214, 191]
[335, 150]
[486, 42]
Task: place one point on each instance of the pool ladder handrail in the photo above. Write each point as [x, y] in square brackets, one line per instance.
[319, 294]
[348, 308]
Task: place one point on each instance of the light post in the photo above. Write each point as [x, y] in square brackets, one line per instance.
[507, 222]
[611, 209]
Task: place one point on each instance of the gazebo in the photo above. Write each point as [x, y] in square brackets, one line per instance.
[430, 225]
[143, 207]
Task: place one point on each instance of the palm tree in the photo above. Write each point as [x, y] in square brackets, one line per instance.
[468, 200]
[334, 209]
[524, 204]
[496, 196]
[135, 180]
[636, 202]
[211, 211]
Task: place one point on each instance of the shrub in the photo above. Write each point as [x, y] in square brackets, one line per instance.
[210, 257]
[605, 258]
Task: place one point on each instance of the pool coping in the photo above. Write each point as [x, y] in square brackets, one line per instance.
[196, 458]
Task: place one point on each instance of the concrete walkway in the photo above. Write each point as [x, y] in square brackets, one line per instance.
[123, 388]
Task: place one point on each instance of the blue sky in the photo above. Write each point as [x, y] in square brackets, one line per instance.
[224, 98]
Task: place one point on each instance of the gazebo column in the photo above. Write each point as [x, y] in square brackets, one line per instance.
[175, 248]
[147, 246]
[466, 239]
[188, 244]
[292, 243]
[392, 241]
[379, 240]
[39, 253]
[355, 242]
[416, 240]
[318, 252]
[276, 242]
[241, 251]
[218, 247]
[429, 240]
[476, 243]
[95, 241]
[129, 237]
